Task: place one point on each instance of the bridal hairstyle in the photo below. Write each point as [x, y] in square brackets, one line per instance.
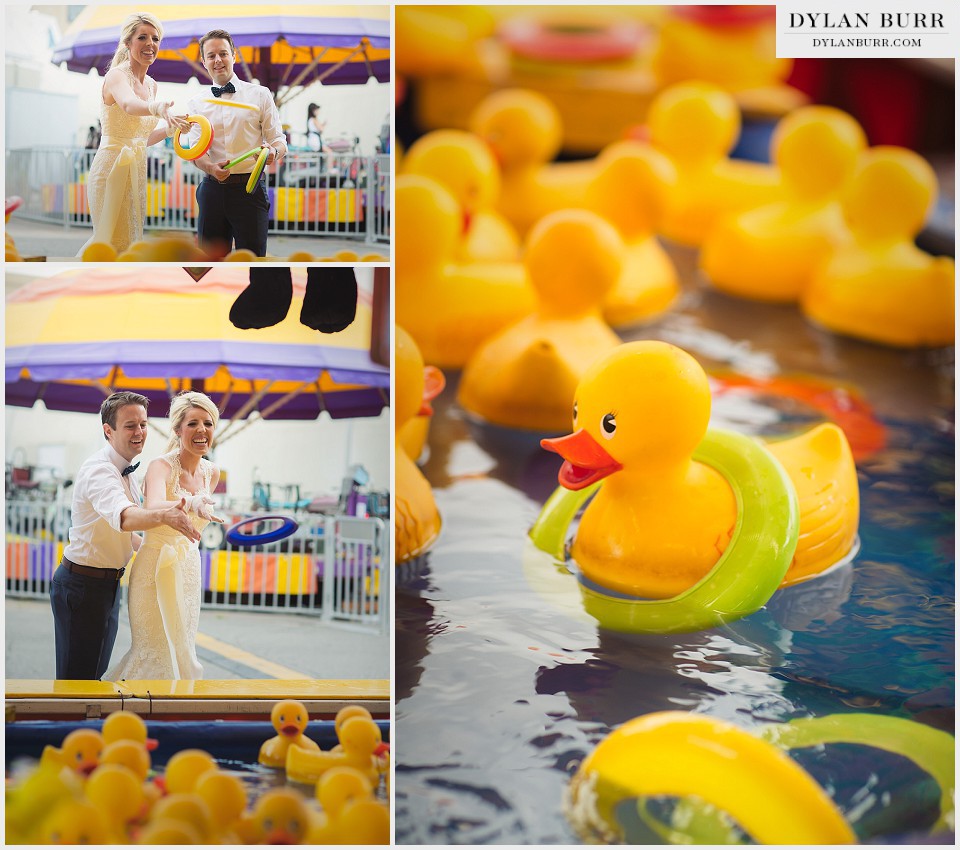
[129, 28]
[179, 407]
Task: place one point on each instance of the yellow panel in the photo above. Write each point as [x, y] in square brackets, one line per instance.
[289, 203]
[327, 689]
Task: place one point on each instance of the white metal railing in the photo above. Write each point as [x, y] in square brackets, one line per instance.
[333, 567]
[341, 194]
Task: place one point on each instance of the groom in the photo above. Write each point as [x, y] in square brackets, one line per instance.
[243, 117]
[85, 591]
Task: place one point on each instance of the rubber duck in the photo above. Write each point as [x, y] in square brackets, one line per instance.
[336, 789]
[130, 754]
[416, 521]
[631, 190]
[225, 796]
[364, 822]
[440, 39]
[523, 129]
[525, 376]
[185, 768]
[696, 125]
[73, 822]
[189, 809]
[360, 742]
[280, 816]
[413, 436]
[771, 252]
[29, 801]
[117, 793]
[880, 287]
[127, 726]
[463, 164]
[449, 308]
[169, 832]
[80, 751]
[660, 520]
[290, 719]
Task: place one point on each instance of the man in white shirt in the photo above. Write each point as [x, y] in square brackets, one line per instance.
[85, 591]
[243, 117]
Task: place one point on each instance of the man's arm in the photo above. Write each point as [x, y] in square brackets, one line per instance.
[142, 519]
[271, 126]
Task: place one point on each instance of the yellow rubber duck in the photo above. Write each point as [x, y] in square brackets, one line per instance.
[117, 793]
[524, 130]
[440, 39]
[412, 437]
[127, 726]
[631, 190]
[361, 744]
[449, 308]
[416, 521]
[464, 165]
[38, 795]
[336, 789]
[185, 768]
[525, 376]
[881, 287]
[770, 253]
[280, 816]
[290, 719]
[226, 797]
[72, 822]
[80, 751]
[661, 520]
[190, 809]
[696, 125]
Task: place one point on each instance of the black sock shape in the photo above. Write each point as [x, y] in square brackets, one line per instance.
[266, 300]
[330, 302]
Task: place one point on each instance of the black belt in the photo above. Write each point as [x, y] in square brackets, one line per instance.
[104, 573]
[232, 178]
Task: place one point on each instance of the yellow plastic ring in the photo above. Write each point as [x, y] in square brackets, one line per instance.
[202, 146]
[257, 170]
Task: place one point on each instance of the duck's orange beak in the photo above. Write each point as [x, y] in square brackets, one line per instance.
[585, 460]
[433, 384]
[151, 744]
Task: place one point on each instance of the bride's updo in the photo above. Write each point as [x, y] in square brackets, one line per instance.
[178, 411]
[126, 33]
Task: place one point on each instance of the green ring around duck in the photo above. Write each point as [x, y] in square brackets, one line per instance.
[746, 575]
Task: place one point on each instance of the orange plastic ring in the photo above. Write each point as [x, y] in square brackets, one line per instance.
[202, 146]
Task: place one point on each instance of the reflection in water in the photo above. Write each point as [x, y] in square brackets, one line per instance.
[503, 686]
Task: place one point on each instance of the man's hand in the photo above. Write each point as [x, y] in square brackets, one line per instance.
[272, 156]
[178, 519]
[179, 122]
[217, 171]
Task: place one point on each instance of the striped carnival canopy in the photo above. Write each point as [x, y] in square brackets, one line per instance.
[75, 337]
[282, 47]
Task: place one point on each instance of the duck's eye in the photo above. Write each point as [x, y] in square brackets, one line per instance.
[268, 824]
[608, 425]
[574, 411]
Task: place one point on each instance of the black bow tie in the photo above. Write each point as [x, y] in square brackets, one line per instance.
[129, 469]
[228, 88]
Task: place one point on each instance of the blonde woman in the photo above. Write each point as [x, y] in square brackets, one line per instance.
[164, 594]
[131, 118]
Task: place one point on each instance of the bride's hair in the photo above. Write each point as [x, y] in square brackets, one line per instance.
[179, 407]
[129, 28]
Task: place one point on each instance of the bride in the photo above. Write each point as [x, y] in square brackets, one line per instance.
[164, 593]
[130, 114]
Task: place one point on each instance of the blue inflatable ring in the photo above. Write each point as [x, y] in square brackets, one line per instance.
[289, 526]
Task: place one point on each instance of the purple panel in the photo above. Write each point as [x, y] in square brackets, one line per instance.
[205, 557]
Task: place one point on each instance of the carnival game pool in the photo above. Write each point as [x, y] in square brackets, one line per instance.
[501, 693]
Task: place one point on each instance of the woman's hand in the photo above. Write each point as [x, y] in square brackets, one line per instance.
[201, 505]
[179, 122]
[161, 109]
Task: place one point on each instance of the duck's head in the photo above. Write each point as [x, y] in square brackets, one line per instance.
[282, 817]
[289, 718]
[116, 791]
[423, 207]
[81, 750]
[461, 162]
[189, 809]
[74, 822]
[126, 726]
[694, 122]
[128, 753]
[185, 768]
[521, 126]
[573, 257]
[644, 407]
[348, 711]
[891, 193]
[359, 736]
[816, 149]
[341, 785]
[224, 794]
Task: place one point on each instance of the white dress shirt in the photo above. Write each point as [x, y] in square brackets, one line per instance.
[237, 130]
[100, 495]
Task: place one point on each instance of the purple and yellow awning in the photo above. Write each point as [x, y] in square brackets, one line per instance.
[282, 46]
[76, 337]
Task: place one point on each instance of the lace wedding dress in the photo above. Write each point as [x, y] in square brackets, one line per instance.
[164, 596]
[117, 182]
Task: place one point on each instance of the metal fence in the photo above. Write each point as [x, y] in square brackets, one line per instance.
[340, 194]
[332, 567]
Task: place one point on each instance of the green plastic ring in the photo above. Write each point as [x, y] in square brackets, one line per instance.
[743, 579]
